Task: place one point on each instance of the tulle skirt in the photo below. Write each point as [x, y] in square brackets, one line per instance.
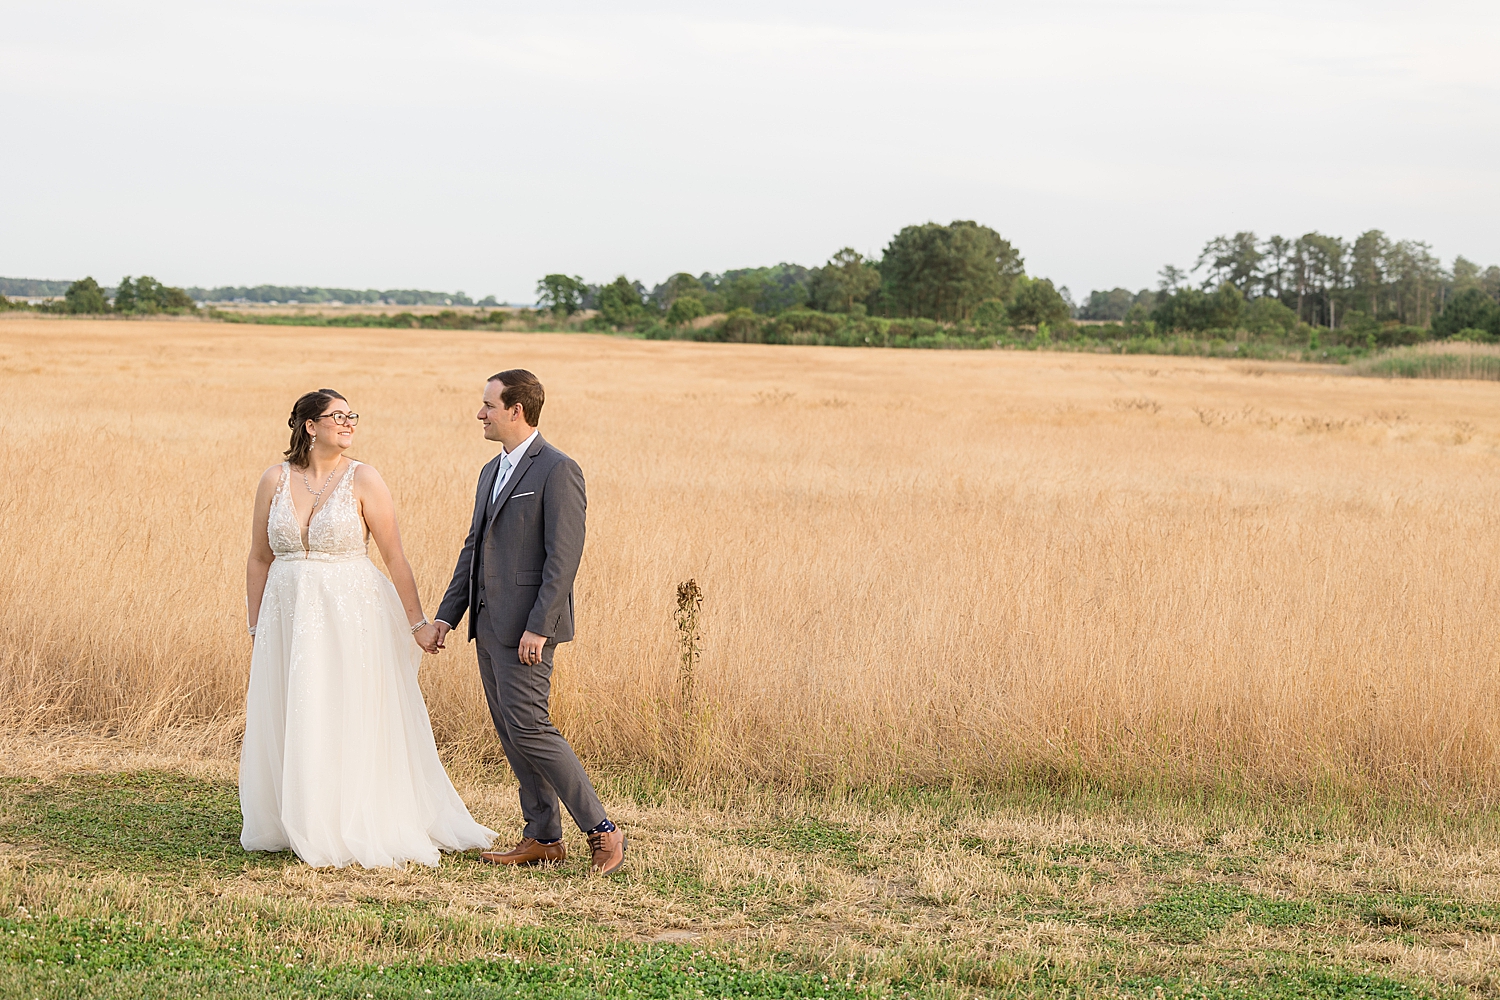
[339, 763]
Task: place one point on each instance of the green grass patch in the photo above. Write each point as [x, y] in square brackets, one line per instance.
[54, 960]
[144, 822]
[121, 960]
[810, 836]
[1412, 911]
[1281, 984]
[1192, 912]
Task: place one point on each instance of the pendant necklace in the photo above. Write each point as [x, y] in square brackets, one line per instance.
[318, 496]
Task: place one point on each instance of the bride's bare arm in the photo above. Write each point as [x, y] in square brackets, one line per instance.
[379, 512]
[259, 563]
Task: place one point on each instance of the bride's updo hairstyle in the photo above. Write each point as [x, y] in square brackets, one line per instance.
[309, 406]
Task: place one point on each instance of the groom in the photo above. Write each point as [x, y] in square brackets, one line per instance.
[515, 579]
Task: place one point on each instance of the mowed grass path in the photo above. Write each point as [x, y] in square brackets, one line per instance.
[123, 885]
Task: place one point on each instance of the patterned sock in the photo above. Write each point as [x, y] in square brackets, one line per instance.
[605, 827]
[554, 840]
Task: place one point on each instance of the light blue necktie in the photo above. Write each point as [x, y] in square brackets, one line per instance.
[500, 477]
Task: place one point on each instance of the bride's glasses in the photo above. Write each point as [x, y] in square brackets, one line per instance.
[342, 418]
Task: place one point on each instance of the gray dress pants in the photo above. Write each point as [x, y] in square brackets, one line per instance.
[543, 761]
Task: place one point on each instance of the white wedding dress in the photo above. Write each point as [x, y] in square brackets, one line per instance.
[339, 762]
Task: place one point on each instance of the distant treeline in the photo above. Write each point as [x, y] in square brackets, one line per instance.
[267, 294]
[1369, 284]
[948, 273]
[139, 296]
[297, 294]
[448, 319]
[1265, 339]
[32, 288]
[966, 284]
[1370, 291]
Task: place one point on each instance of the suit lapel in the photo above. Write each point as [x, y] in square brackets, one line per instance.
[487, 486]
[515, 477]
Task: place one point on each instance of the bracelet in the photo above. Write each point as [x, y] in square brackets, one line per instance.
[419, 626]
[252, 630]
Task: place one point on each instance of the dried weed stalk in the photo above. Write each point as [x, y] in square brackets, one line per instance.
[689, 605]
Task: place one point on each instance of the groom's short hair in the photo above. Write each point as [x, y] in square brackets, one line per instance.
[522, 387]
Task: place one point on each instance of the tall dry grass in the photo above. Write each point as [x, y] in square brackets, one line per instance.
[916, 566]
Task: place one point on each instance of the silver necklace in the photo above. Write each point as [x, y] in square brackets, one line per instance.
[318, 496]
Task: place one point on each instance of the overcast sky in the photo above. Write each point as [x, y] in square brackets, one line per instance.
[478, 146]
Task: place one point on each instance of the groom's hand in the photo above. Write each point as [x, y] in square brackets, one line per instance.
[530, 649]
[443, 628]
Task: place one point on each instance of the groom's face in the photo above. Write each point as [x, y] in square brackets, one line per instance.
[493, 414]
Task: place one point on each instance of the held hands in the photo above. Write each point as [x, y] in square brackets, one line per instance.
[429, 638]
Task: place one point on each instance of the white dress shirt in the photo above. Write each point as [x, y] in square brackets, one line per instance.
[509, 465]
[513, 455]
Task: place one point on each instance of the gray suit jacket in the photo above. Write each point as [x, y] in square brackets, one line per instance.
[522, 553]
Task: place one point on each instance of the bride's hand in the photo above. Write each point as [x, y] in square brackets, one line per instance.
[427, 638]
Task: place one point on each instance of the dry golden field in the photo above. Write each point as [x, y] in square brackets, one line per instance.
[918, 566]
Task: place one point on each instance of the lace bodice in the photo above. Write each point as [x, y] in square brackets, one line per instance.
[336, 529]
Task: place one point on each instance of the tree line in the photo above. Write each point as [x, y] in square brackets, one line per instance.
[86, 295]
[1369, 292]
[132, 296]
[1370, 285]
[312, 294]
[32, 287]
[959, 272]
[1373, 289]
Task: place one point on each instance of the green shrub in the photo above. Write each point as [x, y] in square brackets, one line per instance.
[1475, 336]
[741, 326]
[1194, 310]
[807, 321]
[147, 295]
[1266, 317]
[1143, 345]
[906, 329]
[1035, 303]
[990, 313]
[620, 303]
[684, 310]
[1396, 335]
[85, 296]
[1470, 309]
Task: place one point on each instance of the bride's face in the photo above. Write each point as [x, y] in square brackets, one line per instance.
[335, 426]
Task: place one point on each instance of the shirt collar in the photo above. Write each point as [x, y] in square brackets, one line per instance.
[521, 449]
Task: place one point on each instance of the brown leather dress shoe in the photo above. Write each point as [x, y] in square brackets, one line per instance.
[527, 852]
[609, 851]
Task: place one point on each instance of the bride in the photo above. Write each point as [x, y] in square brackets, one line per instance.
[338, 761]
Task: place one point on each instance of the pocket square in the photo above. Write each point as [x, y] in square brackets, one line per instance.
[520, 495]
